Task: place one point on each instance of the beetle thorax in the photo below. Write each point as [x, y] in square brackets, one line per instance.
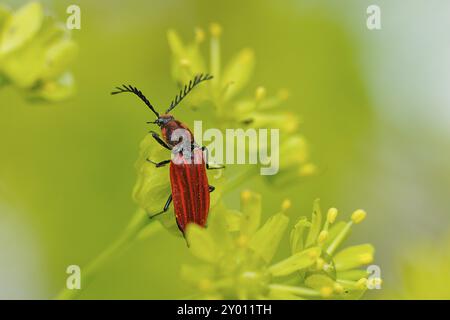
[173, 131]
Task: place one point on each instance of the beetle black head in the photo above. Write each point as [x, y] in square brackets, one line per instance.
[162, 120]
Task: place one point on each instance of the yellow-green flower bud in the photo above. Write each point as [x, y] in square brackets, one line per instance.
[323, 236]
[362, 283]
[358, 216]
[326, 292]
[331, 215]
[260, 93]
[308, 169]
[215, 29]
[185, 63]
[338, 288]
[286, 204]
[199, 35]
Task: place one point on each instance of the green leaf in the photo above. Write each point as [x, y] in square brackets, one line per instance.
[353, 294]
[277, 294]
[355, 274]
[152, 187]
[285, 120]
[251, 212]
[278, 291]
[290, 159]
[318, 281]
[233, 220]
[354, 257]
[296, 262]
[201, 243]
[187, 60]
[55, 90]
[266, 240]
[238, 72]
[175, 43]
[21, 27]
[352, 290]
[270, 103]
[296, 237]
[244, 107]
[27, 65]
[58, 58]
[217, 227]
[316, 224]
[196, 59]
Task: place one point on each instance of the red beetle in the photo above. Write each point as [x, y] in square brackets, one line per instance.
[189, 182]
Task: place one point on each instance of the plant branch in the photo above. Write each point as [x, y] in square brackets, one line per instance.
[131, 233]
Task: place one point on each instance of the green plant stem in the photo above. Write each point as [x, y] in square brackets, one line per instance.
[132, 232]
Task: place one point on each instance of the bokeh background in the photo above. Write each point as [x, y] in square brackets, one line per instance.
[375, 107]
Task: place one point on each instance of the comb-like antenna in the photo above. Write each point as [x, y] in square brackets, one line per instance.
[137, 92]
[188, 88]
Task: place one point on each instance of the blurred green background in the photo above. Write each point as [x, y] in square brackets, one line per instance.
[375, 110]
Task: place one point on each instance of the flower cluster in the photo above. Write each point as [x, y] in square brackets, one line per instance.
[237, 254]
[35, 52]
[232, 110]
[236, 249]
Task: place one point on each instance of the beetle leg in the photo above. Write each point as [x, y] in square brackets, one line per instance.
[159, 164]
[159, 140]
[211, 188]
[206, 160]
[166, 207]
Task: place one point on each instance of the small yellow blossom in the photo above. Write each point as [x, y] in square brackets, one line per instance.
[243, 269]
[331, 215]
[362, 283]
[246, 195]
[215, 29]
[326, 292]
[323, 236]
[358, 216]
[199, 35]
[260, 93]
[286, 204]
[307, 170]
[338, 288]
